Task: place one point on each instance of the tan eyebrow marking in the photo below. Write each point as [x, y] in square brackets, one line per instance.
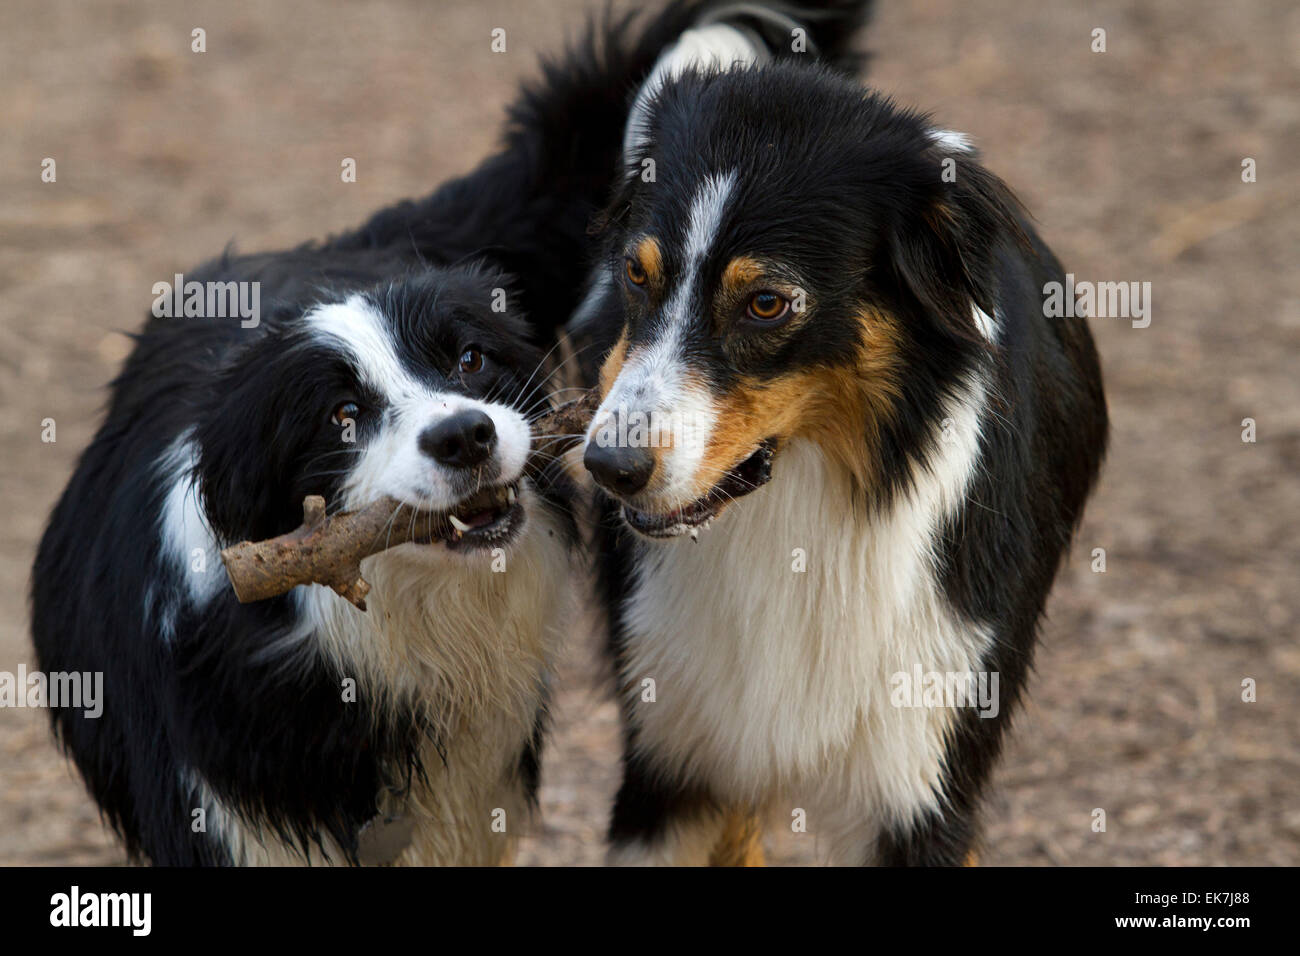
[740, 272]
[650, 257]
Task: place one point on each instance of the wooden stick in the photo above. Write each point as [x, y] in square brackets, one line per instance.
[325, 550]
[328, 549]
[561, 423]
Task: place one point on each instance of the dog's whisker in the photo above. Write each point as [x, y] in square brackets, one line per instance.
[572, 357]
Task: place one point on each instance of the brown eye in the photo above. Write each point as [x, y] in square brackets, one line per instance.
[767, 306]
[635, 274]
[471, 361]
[344, 412]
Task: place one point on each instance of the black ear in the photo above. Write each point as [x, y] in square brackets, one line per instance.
[246, 440]
[944, 249]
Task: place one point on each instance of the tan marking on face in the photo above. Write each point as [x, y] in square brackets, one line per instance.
[613, 364]
[842, 409]
[741, 272]
[651, 259]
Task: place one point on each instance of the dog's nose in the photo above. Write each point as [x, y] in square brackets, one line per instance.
[461, 440]
[621, 469]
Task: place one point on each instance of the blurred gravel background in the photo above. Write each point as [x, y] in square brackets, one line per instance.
[1130, 160]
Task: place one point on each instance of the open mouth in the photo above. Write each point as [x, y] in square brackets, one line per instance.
[489, 518]
[750, 475]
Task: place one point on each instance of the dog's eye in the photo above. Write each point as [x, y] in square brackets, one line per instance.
[471, 361]
[767, 306]
[635, 274]
[345, 411]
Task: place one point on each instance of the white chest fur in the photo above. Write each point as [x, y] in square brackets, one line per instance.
[772, 683]
[473, 648]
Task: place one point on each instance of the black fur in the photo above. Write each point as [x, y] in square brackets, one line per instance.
[194, 688]
[271, 736]
[847, 187]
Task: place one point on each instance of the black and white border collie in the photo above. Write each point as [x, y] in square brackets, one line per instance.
[873, 451]
[301, 729]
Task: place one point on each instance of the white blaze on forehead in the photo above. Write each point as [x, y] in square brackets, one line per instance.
[391, 462]
[702, 228]
[654, 381]
[714, 47]
[706, 219]
[358, 328]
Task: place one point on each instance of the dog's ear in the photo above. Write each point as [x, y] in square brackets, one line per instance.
[245, 453]
[944, 252]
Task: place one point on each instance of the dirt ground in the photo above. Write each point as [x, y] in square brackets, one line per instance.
[1130, 159]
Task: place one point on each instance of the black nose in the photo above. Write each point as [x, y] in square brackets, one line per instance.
[618, 468]
[462, 440]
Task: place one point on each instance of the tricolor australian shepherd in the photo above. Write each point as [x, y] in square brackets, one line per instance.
[301, 729]
[845, 453]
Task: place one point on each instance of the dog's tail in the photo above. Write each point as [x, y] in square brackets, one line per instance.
[573, 120]
[527, 209]
[588, 91]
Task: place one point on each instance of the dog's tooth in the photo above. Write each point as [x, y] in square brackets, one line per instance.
[457, 523]
[510, 494]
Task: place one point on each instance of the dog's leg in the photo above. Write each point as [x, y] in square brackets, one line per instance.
[659, 823]
[947, 839]
[741, 843]
[707, 837]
